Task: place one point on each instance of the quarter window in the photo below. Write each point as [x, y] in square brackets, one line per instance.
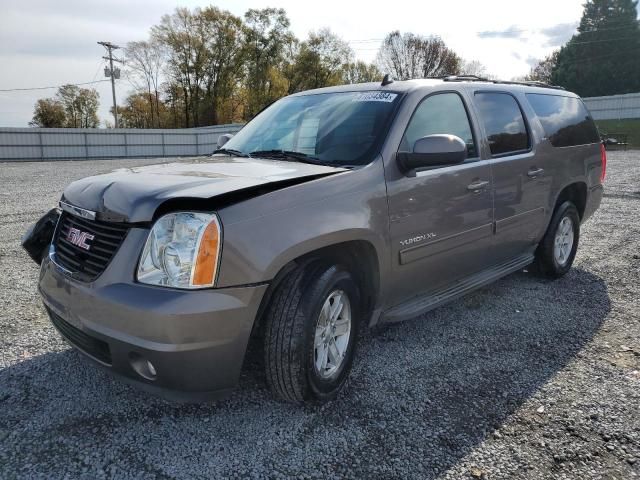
[565, 120]
[443, 113]
[503, 123]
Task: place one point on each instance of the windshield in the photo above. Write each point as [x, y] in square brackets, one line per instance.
[340, 129]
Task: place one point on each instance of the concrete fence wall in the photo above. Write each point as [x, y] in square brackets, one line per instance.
[45, 144]
[614, 107]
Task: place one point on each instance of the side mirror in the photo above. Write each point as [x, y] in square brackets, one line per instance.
[222, 139]
[432, 151]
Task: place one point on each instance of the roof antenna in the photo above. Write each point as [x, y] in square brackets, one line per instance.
[386, 80]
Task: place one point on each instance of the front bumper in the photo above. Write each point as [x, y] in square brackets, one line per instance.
[195, 340]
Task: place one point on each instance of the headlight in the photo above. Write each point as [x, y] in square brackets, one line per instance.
[182, 251]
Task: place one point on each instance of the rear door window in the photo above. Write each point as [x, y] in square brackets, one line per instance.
[565, 120]
[503, 123]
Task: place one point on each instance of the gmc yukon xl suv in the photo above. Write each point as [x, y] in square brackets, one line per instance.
[332, 210]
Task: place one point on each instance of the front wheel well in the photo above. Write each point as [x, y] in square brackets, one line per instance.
[575, 193]
[359, 257]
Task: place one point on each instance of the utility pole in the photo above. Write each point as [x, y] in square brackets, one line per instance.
[110, 72]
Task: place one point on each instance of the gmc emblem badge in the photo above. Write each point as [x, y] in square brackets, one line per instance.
[79, 238]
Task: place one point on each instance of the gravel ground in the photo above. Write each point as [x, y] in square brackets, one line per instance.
[527, 378]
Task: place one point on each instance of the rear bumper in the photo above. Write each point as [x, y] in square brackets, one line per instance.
[195, 340]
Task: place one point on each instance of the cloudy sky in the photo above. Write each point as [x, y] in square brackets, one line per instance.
[52, 42]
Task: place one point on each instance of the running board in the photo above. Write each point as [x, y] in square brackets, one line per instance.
[422, 304]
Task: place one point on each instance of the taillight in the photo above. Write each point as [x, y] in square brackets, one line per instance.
[603, 160]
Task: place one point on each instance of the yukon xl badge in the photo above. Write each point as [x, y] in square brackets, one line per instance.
[416, 239]
[79, 238]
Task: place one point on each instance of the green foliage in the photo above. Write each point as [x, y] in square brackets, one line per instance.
[141, 111]
[220, 68]
[629, 127]
[320, 62]
[603, 58]
[268, 45]
[80, 106]
[73, 107]
[204, 61]
[48, 113]
[360, 72]
[207, 66]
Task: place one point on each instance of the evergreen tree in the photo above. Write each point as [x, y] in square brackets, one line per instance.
[603, 58]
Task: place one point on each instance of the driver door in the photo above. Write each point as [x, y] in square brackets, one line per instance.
[441, 219]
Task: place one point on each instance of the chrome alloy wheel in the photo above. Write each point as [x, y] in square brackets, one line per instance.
[563, 242]
[333, 329]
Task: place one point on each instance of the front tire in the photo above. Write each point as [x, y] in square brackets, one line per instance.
[558, 247]
[312, 325]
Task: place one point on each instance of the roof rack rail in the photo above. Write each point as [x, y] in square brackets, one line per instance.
[463, 78]
[475, 78]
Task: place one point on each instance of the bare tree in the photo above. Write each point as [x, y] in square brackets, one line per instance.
[146, 61]
[473, 67]
[543, 70]
[406, 56]
[186, 61]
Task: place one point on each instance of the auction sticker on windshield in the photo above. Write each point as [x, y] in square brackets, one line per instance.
[375, 97]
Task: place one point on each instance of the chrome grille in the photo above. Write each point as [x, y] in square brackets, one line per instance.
[87, 265]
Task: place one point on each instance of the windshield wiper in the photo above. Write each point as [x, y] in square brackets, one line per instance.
[230, 151]
[287, 155]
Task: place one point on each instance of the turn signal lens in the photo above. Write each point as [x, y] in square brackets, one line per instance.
[204, 273]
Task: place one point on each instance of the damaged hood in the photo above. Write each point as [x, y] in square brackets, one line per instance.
[134, 194]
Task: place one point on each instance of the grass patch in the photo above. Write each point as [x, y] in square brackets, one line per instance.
[630, 126]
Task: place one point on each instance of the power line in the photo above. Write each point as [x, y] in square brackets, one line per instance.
[48, 88]
[99, 68]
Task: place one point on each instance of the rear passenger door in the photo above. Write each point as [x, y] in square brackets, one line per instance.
[520, 176]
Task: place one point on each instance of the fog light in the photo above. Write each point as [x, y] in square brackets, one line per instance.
[142, 366]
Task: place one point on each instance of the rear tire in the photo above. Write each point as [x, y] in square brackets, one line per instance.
[298, 331]
[558, 247]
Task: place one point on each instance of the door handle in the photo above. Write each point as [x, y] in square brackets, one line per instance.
[534, 172]
[478, 186]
